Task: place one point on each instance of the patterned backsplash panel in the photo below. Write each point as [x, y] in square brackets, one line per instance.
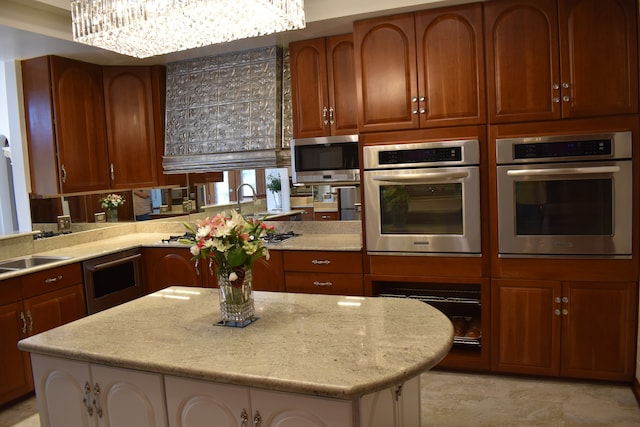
[229, 103]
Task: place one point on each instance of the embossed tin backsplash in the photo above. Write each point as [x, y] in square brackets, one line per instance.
[226, 112]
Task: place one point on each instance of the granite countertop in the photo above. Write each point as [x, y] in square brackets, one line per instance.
[324, 345]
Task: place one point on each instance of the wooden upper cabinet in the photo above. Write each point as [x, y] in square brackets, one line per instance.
[323, 87]
[549, 59]
[451, 78]
[421, 70]
[386, 75]
[80, 126]
[130, 126]
[65, 125]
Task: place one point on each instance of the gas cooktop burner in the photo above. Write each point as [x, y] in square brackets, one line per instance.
[46, 234]
[278, 237]
[175, 239]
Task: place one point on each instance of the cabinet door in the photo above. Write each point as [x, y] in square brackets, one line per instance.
[523, 74]
[386, 77]
[450, 49]
[53, 309]
[192, 403]
[598, 57]
[341, 75]
[309, 92]
[164, 267]
[64, 394]
[268, 275]
[525, 327]
[130, 127]
[15, 372]
[274, 409]
[598, 330]
[128, 398]
[80, 125]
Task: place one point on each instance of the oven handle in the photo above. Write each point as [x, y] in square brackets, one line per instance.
[115, 262]
[564, 171]
[425, 177]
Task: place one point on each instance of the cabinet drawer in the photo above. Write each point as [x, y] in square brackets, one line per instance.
[324, 283]
[326, 216]
[51, 279]
[323, 261]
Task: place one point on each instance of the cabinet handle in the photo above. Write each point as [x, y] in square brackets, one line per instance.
[556, 86]
[96, 400]
[421, 99]
[556, 99]
[322, 283]
[414, 99]
[566, 98]
[113, 176]
[398, 393]
[556, 312]
[557, 300]
[565, 300]
[565, 85]
[257, 419]
[331, 120]
[64, 174]
[422, 111]
[53, 279]
[414, 111]
[321, 262]
[244, 417]
[24, 323]
[30, 319]
[87, 398]
[565, 311]
[324, 116]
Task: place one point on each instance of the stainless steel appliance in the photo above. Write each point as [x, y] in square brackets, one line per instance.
[423, 198]
[565, 195]
[349, 203]
[325, 160]
[112, 279]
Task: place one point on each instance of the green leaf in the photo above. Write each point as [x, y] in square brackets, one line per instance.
[236, 257]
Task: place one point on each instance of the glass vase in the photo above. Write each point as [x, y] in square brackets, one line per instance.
[277, 201]
[112, 215]
[236, 298]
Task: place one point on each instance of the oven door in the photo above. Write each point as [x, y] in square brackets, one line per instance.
[565, 209]
[428, 210]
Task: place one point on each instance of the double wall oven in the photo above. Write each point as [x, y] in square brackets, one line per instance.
[565, 195]
[423, 198]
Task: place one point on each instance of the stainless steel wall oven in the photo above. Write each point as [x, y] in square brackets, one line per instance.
[112, 279]
[565, 195]
[423, 198]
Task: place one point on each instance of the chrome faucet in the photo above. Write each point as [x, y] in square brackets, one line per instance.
[253, 190]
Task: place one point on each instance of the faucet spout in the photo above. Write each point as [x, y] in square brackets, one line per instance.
[253, 191]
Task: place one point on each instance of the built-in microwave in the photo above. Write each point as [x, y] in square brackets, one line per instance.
[330, 160]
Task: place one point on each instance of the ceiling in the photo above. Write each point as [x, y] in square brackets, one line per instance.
[30, 28]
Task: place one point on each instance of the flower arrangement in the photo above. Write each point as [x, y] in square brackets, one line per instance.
[112, 201]
[231, 241]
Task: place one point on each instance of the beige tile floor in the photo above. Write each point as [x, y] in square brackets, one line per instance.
[458, 399]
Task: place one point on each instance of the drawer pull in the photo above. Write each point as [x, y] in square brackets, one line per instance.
[24, 323]
[87, 398]
[321, 262]
[30, 324]
[322, 283]
[53, 279]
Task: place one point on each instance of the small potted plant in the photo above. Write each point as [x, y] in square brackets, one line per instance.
[274, 185]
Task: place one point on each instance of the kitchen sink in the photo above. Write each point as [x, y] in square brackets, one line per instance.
[28, 262]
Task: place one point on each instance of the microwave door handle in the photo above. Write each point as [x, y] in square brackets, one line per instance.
[564, 171]
[426, 177]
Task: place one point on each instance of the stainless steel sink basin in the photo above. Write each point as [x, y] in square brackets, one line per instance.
[28, 262]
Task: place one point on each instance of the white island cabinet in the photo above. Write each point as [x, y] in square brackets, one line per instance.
[307, 361]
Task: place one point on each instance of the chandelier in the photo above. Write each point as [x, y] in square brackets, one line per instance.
[144, 28]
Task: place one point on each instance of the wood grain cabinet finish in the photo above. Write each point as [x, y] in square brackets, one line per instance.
[30, 305]
[323, 272]
[323, 87]
[90, 127]
[420, 70]
[568, 329]
[549, 59]
[65, 124]
[130, 119]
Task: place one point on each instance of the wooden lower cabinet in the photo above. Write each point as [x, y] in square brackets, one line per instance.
[21, 317]
[323, 272]
[164, 267]
[562, 328]
[73, 393]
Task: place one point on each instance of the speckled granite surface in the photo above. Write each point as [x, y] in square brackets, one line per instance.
[332, 346]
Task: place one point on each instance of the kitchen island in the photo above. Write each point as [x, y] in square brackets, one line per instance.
[318, 359]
